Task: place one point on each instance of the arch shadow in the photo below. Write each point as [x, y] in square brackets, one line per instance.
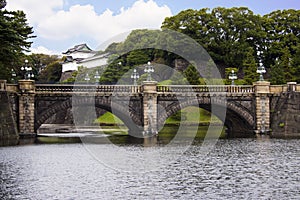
[129, 116]
[238, 121]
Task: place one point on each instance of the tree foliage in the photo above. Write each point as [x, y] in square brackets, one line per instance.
[51, 74]
[224, 33]
[14, 35]
[277, 73]
[250, 67]
[192, 75]
[296, 64]
[233, 37]
[228, 34]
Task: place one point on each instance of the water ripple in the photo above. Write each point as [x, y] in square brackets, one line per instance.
[235, 169]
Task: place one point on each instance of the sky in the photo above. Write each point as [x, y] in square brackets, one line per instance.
[61, 24]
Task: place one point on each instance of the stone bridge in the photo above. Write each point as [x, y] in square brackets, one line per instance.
[245, 110]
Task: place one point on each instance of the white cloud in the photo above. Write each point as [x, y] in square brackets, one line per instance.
[84, 21]
[36, 10]
[53, 24]
[44, 50]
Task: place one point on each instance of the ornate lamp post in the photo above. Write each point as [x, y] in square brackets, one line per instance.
[13, 75]
[96, 77]
[261, 70]
[149, 69]
[135, 75]
[232, 77]
[27, 70]
[87, 78]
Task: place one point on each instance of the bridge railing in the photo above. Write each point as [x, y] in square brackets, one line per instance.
[63, 88]
[278, 88]
[205, 88]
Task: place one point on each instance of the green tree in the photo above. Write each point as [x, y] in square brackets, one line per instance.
[295, 63]
[39, 62]
[277, 73]
[282, 30]
[52, 73]
[178, 79]
[250, 67]
[14, 35]
[114, 72]
[286, 64]
[192, 75]
[228, 34]
[138, 57]
[282, 70]
[224, 33]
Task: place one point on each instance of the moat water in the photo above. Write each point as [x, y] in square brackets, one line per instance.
[67, 168]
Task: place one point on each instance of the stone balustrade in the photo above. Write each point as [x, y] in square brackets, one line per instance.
[205, 88]
[63, 88]
[161, 89]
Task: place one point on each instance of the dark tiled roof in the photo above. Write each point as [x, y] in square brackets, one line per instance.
[79, 48]
[71, 59]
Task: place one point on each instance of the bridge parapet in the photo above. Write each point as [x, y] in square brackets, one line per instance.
[290, 86]
[2, 85]
[107, 89]
[165, 89]
[278, 89]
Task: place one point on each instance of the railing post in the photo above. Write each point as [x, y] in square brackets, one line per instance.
[26, 108]
[149, 89]
[262, 89]
[2, 85]
[292, 86]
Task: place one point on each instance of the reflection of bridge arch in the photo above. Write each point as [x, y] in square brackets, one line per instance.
[127, 114]
[238, 119]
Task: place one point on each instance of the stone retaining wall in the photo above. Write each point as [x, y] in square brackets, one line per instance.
[8, 126]
[285, 112]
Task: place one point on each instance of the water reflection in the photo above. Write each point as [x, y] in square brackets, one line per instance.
[60, 167]
[234, 169]
[121, 138]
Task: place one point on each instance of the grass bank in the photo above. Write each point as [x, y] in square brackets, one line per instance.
[189, 115]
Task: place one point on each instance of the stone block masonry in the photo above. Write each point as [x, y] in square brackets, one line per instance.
[286, 115]
[8, 126]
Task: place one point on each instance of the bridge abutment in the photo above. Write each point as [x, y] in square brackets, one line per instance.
[286, 113]
[262, 102]
[8, 126]
[26, 108]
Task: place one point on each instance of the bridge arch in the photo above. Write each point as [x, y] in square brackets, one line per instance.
[238, 120]
[130, 117]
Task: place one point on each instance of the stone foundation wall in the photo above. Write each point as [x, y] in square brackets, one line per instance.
[8, 126]
[285, 115]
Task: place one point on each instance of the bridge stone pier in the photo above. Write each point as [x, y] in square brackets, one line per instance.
[262, 91]
[26, 106]
[249, 110]
[150, 107]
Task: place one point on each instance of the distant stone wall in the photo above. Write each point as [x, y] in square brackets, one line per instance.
[8, 125]
[66, 75]
[285, 115]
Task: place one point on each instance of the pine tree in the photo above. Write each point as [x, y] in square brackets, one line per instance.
[296, 65]
[250, 67]
[277, 73]
[14, 33]
[192, 75]
[286, 64]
